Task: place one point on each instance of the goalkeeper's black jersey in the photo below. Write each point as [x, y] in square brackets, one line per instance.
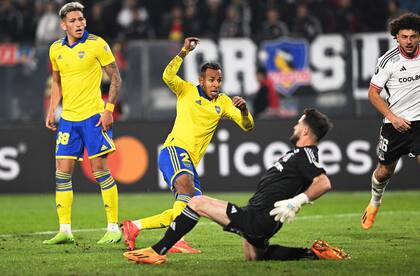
[290, 175]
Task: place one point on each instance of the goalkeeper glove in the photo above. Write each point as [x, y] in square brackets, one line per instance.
[288, 208]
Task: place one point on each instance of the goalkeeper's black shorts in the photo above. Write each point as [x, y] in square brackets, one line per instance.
[255, 225]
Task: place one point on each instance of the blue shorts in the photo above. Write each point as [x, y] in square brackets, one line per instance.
[175, 161]
[73, 137]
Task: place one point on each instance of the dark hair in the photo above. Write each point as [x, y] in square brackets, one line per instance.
[210, 65]
[407, 21]
[69, 7]
[317, 122]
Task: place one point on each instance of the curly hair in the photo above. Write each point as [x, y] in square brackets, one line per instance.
[407, 21]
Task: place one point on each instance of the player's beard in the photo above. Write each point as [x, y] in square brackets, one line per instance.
[294, 138]
[413, 51]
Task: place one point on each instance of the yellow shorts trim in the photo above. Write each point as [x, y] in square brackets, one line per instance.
[69, 157]
[102, 153]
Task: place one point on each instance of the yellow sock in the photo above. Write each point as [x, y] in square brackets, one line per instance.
[158, 221]
[165, 218]
[180, 203]
[178, 207]
[109, 193]
[63, 196]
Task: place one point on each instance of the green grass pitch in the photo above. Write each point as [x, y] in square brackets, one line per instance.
[391, 247]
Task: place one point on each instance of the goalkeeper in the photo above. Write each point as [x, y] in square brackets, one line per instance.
[294, 180]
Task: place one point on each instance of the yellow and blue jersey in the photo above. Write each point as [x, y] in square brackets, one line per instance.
[80, 66]
[196, 116]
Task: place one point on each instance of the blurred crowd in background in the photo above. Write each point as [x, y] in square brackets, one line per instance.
[29, 21]
[28, 27]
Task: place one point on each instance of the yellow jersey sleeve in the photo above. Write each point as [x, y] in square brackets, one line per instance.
[104, 53]
[52, 55]
[234, 114]
[170, 77]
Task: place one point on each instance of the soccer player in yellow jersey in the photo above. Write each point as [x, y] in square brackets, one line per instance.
[199, 110]
[77, 63]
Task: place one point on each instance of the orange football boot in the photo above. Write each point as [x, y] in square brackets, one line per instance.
[183, 247]
[327, 252]
[369, 216]
[145, 256]
[130, 232]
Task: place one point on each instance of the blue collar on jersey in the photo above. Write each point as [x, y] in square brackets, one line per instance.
[201, 92]
[82, 40]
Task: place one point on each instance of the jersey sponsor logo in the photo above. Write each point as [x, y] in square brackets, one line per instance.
[217, 109]
[287, 64]
[408, 79]
[81, 54]
[403, 68]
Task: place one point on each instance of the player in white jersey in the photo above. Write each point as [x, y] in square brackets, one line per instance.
[398, 72]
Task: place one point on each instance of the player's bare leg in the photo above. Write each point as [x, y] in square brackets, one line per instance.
[212, 208]
[64, 200]
[380, 179]
[251, 253]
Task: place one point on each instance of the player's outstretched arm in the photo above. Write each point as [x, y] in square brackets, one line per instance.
[113, 73]
[54, 101]
[399, 123]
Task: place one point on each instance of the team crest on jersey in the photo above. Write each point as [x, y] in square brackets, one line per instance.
[217, 109]
[81, 54]
[286, 61]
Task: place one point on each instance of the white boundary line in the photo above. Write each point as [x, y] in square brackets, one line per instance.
[314, 217]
